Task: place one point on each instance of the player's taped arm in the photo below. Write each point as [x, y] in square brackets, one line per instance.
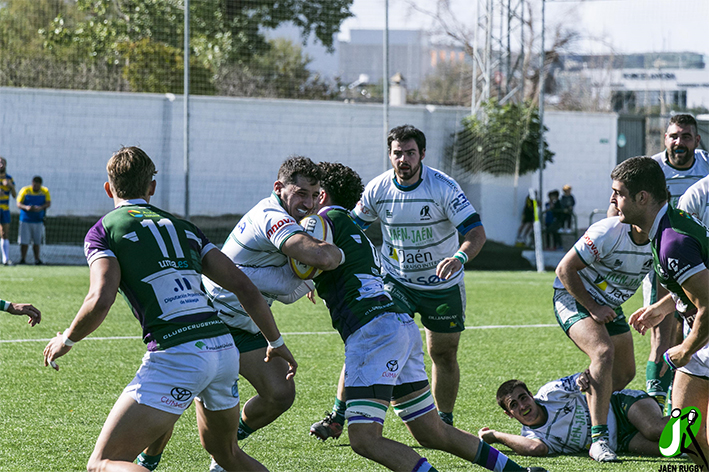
[474, 241]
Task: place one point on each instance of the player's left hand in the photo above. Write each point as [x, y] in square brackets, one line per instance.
[284, 353]
[584, 380]
[679, 356]
[54, 350]
[447, 267]
[646, 318]
[26, 309]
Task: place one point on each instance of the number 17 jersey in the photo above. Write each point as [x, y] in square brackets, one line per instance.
[160, 257]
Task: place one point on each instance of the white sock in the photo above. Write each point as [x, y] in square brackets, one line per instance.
[5, 247]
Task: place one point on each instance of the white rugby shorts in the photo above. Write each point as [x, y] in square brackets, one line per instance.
[386, 351]
[207, 369]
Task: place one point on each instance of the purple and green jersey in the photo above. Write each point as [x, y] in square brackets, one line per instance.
[680, 249]
[160, 257]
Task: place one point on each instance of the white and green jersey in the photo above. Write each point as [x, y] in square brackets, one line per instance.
[160, 258]
[695, 201]
[254, 245]
[567, 429]
[420, 225]
[615, 265]
[679, 180]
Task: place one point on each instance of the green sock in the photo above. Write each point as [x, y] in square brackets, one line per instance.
[492, 459]
[338, 410]
[657, 385]
[149, 462]
[598, 432]
[244, 430]
[446, 417]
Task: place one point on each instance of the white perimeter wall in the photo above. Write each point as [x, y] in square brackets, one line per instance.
[237, 146]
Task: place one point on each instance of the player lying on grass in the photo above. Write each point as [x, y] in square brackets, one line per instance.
[556, 420]
[156, 261]
[383, 348]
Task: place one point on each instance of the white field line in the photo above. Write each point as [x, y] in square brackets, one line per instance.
[298, 333]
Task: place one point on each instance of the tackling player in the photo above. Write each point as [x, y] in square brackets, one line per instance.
[383, 349]
[556, 420]
[156, 261]
[422, 212]
[695, 201]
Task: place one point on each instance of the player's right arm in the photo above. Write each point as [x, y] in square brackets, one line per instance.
[105, 277]
[313, 252]
[568, 273]
[519, 444]
[220, 269]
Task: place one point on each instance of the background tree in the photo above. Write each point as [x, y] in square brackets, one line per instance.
[503, 141]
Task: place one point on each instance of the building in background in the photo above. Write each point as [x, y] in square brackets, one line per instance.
[632, 83]
[411, 53]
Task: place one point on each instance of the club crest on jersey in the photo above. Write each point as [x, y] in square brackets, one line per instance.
[425, 213]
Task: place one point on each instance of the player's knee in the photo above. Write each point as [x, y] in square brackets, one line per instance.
[362, 442]
[283, 397]
[96, 465]
[603, 353]
[445, 356]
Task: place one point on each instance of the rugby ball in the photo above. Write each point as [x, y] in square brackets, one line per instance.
[318, 228]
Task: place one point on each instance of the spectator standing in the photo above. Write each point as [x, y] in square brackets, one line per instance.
[552, 220]
[33, 201]
[7, 188]
[567, 204]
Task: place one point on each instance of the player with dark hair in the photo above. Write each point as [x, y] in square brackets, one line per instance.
[680, 247]
[422, 213]
[156, 261]
[260, 245]
[556, 420]
[383, 348]
[683, 164]
[603, 269]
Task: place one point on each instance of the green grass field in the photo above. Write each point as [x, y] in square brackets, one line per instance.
[49, 420]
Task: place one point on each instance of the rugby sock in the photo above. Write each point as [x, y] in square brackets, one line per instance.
[338, 411]
[5, 247]
[446, 417]
[657, 385]
[423, 466]
[149, 462]
[244, 430]
[492, 459]
[598, 432]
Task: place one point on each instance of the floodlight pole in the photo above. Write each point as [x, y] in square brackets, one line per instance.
[538, 245]
[186, 111]
[385, 82]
